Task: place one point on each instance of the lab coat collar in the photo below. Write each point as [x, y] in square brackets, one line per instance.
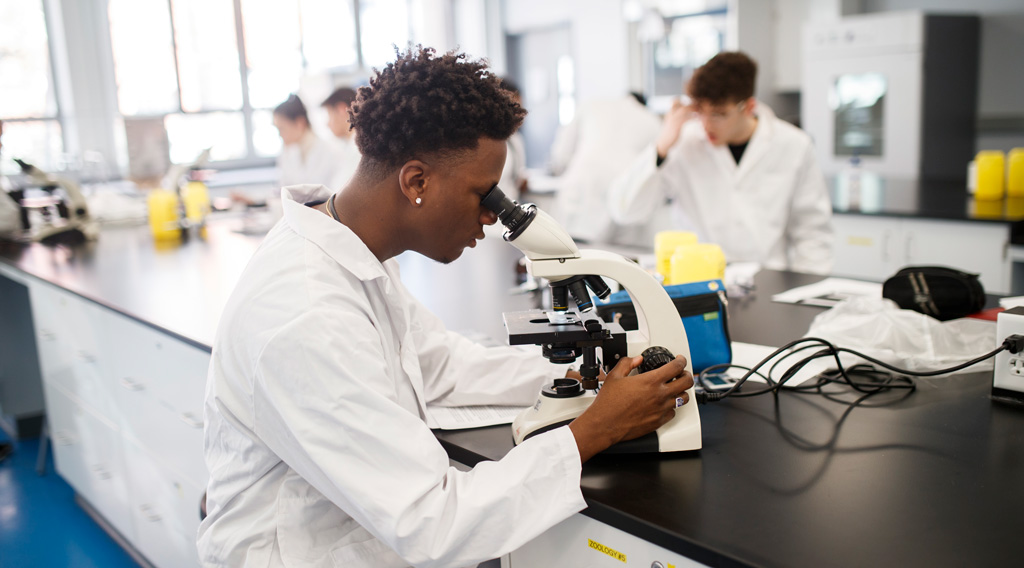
[756, 148]
[759, 142]
[334, 238]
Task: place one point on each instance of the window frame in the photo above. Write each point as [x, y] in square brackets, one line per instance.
[252, 158]
[58, 92]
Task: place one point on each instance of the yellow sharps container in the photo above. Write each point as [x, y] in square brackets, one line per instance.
[665, 245]
[163, 214]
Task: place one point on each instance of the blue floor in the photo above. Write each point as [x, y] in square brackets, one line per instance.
[40, 523]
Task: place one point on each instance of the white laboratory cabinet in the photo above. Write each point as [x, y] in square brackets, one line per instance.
[124, 407]
[582, 542]
[876, 247]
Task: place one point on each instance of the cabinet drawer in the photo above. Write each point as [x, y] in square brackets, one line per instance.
[165, 510]
[175, 437]
[87, 452]
[173, 372]
[71, 334]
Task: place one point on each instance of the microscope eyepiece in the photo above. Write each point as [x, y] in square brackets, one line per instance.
[513, 216]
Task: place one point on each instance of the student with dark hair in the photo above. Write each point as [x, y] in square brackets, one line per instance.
[338, 105]
[323, 363]
[305, 157]
[735, 174]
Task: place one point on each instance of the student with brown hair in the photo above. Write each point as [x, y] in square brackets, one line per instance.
[736, 174]
[338, 105]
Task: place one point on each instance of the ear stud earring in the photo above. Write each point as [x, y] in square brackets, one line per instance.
[419, 200]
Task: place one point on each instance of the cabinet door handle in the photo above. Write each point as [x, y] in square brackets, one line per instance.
[131, 384]
[86, 357]
[149, 513]
[47, 334]
[885, 245]
[102, 472]
[62, 438]
[191, 420]
[908, 252]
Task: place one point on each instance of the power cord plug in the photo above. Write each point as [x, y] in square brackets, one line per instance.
[1014, 343]
[704, 397]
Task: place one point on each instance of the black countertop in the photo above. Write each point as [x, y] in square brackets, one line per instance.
[929, 480]
[925, 199]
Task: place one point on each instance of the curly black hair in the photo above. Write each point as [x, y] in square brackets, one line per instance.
[726, 78]
[427, 105]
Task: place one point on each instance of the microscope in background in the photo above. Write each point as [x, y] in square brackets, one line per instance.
[566, 335]
[61, 215]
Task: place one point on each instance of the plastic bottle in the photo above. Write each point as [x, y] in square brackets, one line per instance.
[665, 245]
[991, 166]
[1015, 173]
[697, 262]
[197, 202]
[854, 179]
[163, 215]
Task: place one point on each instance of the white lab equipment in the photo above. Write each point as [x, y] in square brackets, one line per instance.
[552, 254]
[897, 89]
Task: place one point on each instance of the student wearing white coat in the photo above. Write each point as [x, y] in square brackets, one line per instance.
[323, 363]
[736, 175]
[305, 157]
[600, 143]
[338, 104]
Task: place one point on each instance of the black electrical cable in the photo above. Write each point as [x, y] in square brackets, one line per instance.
[871, 380]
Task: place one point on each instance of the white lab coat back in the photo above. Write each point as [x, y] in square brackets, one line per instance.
[596, 147]
[772, 208]
[312, 160]
[316, 441]
[348, 162]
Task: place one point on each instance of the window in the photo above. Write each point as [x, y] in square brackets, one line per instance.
[385, 23]
[207, 52]
[216, 79]
[28, 105]
[140, 37]
[676, 38]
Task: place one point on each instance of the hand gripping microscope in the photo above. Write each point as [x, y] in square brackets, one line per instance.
[565, 335]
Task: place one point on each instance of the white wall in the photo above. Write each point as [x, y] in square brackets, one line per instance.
[1001, 78]
[598, 38]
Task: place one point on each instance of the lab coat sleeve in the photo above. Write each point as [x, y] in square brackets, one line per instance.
[637, 192]
[460, 372]
[809, 231]
[331, 416]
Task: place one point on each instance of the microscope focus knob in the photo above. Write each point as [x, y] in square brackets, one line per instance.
[655, 357]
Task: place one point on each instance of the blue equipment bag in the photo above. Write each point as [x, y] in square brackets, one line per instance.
[702, 306]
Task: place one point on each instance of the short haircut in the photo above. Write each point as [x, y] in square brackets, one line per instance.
[341, 95]
[509, 85]
[726, 78]
[425, 104]
[292, 109]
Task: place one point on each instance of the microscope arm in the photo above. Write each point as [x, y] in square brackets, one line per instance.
[77, 206]
[658, 321]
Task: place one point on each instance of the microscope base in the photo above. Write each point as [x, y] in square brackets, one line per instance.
[681, 434]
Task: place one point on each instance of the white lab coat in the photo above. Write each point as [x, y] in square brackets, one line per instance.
[591, 151]
[348, 161]
[772, 208]
[312, 160]
[315, 436]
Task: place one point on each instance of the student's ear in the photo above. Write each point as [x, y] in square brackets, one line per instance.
[750, 106]
[413, 179]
